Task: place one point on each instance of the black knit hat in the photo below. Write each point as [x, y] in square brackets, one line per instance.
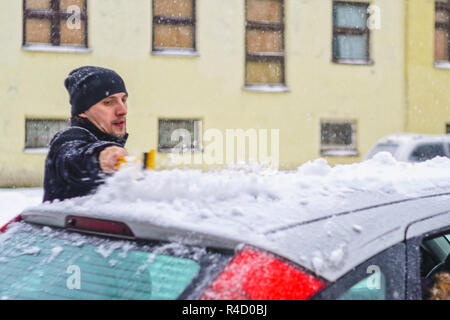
[89, 85]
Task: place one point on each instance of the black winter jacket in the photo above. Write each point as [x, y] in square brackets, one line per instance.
[72, 168]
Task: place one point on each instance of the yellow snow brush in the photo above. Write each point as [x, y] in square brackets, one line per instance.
[148, 163]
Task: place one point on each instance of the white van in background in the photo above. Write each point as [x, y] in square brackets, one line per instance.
[412, 147]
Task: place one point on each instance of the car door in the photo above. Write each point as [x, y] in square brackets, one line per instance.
[428, 245]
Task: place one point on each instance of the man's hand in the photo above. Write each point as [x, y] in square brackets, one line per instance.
[109, 156]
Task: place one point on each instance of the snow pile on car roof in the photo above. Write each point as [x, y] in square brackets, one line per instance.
[247, 202]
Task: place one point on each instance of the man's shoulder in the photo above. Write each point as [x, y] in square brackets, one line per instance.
[73, 133]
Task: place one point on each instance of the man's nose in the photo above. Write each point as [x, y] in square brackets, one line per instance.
[121, 108]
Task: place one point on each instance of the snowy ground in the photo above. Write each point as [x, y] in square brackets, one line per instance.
[13, 201]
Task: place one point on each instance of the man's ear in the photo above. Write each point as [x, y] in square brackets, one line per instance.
[83, 115]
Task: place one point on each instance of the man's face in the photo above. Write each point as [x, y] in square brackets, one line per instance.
[109, 115]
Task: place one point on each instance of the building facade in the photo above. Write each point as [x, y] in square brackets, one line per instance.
[317, 78]
[428, 66]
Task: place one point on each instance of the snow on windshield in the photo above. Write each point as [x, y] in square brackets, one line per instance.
[250, 201]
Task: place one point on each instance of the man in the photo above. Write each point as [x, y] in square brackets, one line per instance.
[81, 156]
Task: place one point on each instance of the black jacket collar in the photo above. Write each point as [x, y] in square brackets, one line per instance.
[86, 124]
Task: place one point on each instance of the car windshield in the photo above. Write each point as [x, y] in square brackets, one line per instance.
[388, 147]
[45, 263]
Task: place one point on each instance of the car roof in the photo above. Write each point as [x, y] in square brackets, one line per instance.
[284, 212]
[401, 138]
[329, 244]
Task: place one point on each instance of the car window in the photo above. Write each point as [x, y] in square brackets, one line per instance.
[373, 287]
[388, 147]
[381, 277]
[44, 263]
[427, 151]
[434, 260]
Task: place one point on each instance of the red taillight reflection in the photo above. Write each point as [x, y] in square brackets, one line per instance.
[18, 218]
[98, 225]
[260, 276]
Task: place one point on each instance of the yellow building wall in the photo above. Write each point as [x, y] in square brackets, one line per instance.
[210, 86]
[427, 86]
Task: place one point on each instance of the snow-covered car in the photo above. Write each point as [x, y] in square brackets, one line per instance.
[412, 147]
[316, 233]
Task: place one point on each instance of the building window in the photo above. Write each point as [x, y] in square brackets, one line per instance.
[55, 22]
[265, 56]
[179, 135]
[174, 25]
[447, 128]
[338, 138]
[39, 132]
[441, 31]
[351, 35]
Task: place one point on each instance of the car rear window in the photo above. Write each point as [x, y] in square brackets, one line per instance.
[48, 263]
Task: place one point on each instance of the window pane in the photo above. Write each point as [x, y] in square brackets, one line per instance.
[264, 73]
[440, 45]
[434, 258]
[264, 10]
[426, 152]
[371, 288]
[442, 16]
[37, 4]
[39, 265]
[263, 41]
[177, 8]
[172, 36]
[72, 33]
[350, 46]
[336, 134]
[40, 132]
[64, 4]
[37, 31]
[348, 16]
[180, 134]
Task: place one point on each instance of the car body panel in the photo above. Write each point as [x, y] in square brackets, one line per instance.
[407, 143]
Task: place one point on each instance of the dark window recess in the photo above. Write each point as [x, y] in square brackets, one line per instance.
[427, 152]
[447, 128]
[175, 135]
[39, 132]
[264, 34]
[351, 35]
[174, 25]
[336, 134]
[338, 138]
[442, 31]
[55, 23]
